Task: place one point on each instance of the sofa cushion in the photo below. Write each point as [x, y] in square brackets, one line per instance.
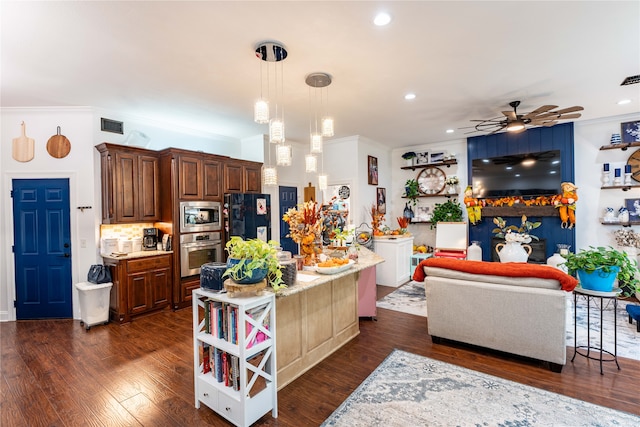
[531, 282]
[509, 269]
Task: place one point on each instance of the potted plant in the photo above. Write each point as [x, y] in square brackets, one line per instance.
[409, 156]
[448, 211]
[250, 261]
[605, 264]
[411, 191]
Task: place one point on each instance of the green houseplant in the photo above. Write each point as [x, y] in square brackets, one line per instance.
[605, 260]
[411, 191]
[409, 156]
[252, 260]
[448, 211]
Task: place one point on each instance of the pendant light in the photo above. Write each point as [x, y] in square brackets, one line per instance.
[318, 81]
[272, 53]
[310, 163]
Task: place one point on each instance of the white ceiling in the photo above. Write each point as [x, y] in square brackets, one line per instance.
[192, 63]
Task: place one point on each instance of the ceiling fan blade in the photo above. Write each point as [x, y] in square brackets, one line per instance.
[569, 110]
[551, 123]
[511, 115]
[569, 116]
[539, 110]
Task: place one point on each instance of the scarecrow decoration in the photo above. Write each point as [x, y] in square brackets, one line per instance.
[474, 208]
[566, 204]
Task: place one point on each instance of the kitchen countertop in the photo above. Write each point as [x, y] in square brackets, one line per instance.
[134, 255]
[366, 259]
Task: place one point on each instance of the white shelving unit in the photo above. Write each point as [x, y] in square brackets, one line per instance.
[244, 333]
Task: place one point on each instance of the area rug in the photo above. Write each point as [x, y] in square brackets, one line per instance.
[410, 298]
[411, 390]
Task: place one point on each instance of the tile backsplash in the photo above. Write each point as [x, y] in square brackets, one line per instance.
[128, 230]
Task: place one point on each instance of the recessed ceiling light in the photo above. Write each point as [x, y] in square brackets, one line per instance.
[382, 19]
[624, 101]
[450, 131]
[410, 96]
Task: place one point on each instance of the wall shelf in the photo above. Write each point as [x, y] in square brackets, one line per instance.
[621, 146]
[446, 163]
[621, 187]
[622, 224]
[435, 195]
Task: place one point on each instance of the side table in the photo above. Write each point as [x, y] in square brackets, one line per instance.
[589, 296]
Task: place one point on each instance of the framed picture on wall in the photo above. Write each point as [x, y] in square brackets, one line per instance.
[422, 158]
[381, 199]
[633, 206]
[436, 157]
[630, 131]
[372, 168]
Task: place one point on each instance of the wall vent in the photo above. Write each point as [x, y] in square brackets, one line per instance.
[631, 80]
[108, 125]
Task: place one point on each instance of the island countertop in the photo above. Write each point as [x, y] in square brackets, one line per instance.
[366, 259]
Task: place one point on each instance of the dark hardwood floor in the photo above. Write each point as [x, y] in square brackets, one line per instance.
[141, 374]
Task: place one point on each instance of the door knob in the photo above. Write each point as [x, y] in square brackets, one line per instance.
[66, 245]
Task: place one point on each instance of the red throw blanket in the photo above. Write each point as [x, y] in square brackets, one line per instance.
[509, 269]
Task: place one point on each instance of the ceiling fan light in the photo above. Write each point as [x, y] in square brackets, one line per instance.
[270, 176]
[310, 163]
[261, 112]
[515, 126]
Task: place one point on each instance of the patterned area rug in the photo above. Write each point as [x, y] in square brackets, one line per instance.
[410, 298]
[411, 390]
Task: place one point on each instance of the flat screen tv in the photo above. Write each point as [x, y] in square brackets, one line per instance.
[529, 175]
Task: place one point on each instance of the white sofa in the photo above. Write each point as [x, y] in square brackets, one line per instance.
[520, 315]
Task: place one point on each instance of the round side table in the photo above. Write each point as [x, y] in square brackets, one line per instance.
[588, 348]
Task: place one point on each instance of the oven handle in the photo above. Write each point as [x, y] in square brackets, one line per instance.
[204, 243]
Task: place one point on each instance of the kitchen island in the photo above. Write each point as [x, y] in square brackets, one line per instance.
[317, 316]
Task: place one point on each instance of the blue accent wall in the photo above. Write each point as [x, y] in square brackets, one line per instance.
[558, 137]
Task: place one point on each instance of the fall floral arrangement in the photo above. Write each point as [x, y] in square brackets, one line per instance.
[377, 219]
[304, 222]
[513, 233]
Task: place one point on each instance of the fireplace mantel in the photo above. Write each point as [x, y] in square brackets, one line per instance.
[519, 210]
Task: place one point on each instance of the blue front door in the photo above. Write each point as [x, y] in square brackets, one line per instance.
[42, 248]
[288, 197]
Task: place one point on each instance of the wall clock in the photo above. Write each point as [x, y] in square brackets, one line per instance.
[431, 180]
[634, 161]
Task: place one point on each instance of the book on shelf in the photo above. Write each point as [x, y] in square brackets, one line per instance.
[259, 316]
[206, 354]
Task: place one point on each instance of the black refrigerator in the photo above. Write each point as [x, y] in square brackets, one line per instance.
[247, 215]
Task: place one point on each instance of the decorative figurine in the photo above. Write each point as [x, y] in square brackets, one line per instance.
[566, 204]
[474, 208]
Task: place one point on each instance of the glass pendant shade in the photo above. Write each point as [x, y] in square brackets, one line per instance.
[316, 143]
[269, 176]
[322, 182]
[261, 111]
[310, 163]
[283, 155]
[276, 131]
[327, 127]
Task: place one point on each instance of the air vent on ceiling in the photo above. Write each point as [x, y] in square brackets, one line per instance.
[631, 80]
[108, 125]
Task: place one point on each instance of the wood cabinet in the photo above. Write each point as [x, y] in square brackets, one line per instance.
[199, 178]
[130, 179]
[242, 177]
[397, 255]
[140, 285]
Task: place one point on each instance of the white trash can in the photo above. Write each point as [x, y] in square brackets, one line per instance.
[94, 303]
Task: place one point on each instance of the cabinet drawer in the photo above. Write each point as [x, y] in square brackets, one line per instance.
[208, 394]
[229, 408]
[150, 263]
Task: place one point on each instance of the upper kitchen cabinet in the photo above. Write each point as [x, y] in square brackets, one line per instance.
[242, 177]
[199, 178]
[130, 178]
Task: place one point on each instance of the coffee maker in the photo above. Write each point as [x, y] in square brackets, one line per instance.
[149, 239]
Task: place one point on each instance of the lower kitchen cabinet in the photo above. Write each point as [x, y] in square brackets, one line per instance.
[397, 255]
[140, 285]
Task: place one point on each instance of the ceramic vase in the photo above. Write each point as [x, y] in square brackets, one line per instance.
[513, 252]
[474, 251]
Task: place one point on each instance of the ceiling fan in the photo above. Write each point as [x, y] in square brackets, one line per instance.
[514, 122]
